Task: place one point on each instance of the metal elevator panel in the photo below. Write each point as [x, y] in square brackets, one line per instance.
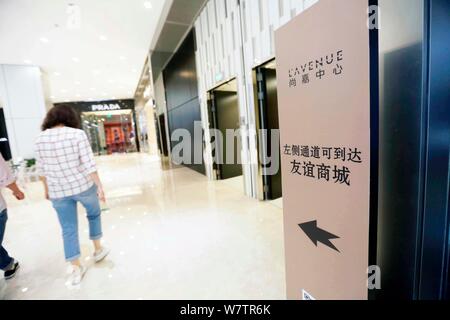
[273, 124]
[265, 86]
[227, 109]
[402, 118]
[435, 252]
[413, 216]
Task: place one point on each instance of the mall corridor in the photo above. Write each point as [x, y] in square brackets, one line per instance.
[173, 235]
[284, 150]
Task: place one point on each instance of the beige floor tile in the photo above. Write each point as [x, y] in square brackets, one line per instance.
[173, 235]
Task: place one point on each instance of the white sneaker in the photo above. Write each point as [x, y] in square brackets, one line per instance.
[77, 275]
[101, 255]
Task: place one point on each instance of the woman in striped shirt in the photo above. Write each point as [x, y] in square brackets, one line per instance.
[67, 168]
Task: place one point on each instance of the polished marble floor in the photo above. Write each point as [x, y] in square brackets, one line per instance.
[173, 235]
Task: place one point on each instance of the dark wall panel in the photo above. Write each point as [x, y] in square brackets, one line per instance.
[5, 148]
[183, 106]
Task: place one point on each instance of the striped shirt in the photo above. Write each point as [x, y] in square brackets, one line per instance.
[6, 178]
[64, 157]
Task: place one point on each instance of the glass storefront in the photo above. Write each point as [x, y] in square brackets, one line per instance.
[110, 132]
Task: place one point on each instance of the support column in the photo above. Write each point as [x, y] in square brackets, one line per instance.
[22, 98]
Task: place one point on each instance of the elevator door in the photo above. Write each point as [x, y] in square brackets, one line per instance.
[227, 115]
[268, 119]
[272, 122]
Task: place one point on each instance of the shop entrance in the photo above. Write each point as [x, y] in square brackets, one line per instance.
[223, 109]
[110, 132]
[265, 84]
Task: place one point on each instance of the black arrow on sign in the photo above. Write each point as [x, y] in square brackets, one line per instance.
[318, 235]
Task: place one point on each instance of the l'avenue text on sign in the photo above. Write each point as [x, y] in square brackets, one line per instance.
[317, 68]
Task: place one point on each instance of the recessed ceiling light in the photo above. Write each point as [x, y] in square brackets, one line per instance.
[104, 94]
[78, 95]
[77, 83]
[44, 40]
[27, 61]
[134, 70]
[103, 38]
[96, 72]
[75, 59]
[56, 74]
[122, 58]
[148, 5]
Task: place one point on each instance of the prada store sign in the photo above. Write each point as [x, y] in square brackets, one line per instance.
[99, 106]
[106, 107]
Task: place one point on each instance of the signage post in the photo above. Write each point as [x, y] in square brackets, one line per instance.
[323, 66]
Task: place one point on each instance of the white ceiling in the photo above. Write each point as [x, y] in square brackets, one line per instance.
[78, 64]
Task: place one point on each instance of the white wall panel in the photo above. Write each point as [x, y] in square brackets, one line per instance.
[26, 132]
[228, 47]
[24, 86]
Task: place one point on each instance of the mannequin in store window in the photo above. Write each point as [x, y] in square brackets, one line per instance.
[116, 141]
[67, 168]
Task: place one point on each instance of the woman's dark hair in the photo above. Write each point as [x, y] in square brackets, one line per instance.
[61, 115]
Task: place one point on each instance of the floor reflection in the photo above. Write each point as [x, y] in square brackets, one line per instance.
[173, 235]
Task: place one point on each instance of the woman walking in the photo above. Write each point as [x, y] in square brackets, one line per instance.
[66, 165]
[7, 264]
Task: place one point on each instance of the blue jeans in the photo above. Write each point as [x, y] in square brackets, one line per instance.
[68, 218]
[5, 260]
